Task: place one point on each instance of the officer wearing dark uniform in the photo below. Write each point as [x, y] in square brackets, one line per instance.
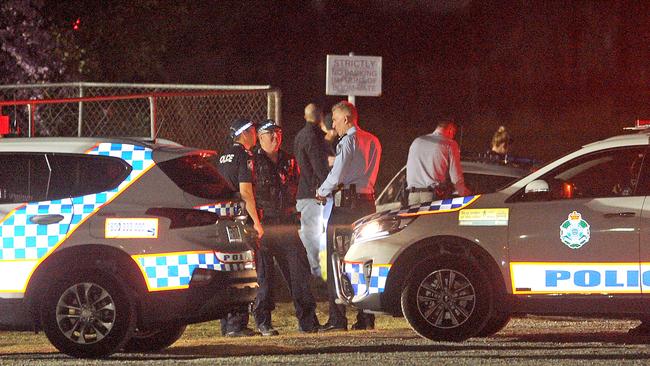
[236, 165]
[352, 178]
[276, 183]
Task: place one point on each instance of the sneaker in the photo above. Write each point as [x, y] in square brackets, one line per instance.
[268, 331]
[245, 332]
[641, 330]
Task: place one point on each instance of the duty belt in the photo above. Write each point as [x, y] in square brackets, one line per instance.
[418, 190]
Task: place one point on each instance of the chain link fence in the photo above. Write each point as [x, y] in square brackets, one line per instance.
[192, 115]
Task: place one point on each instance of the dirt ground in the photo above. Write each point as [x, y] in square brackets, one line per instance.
[526, 340]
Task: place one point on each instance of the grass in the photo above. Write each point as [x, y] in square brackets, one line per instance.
[207, 333]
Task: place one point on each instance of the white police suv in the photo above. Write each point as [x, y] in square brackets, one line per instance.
[572, 238]
[110, 244]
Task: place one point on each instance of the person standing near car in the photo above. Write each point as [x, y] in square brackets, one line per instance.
[236, 165]
[433, 169]
[352, 178]
[309, 147]
[276, 183]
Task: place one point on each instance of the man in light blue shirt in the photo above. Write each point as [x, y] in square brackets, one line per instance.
[352, 177]
[433, 166]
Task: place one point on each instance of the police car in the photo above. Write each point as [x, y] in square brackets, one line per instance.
[572, 238]
[110, 244]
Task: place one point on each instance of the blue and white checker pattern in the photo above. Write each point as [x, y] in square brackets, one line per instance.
[225, 209]
[446, 205]
[174, 270]
[22, 239]
[378, 276]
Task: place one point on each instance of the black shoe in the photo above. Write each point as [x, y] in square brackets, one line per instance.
[641, 330]
[327, 327]
[267, 331]
[245, 332]
[363, 326]
[315, 329]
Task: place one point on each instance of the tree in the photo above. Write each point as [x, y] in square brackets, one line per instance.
[31, 50]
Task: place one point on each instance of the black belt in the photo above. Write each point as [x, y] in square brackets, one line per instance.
[366, 196]
[418, 190]
[360, 196]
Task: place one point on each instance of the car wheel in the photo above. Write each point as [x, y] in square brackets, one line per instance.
[88, 315]
[154, 340]
[447, 299]
[496, 322]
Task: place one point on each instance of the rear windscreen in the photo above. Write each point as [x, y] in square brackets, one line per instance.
[198, 176]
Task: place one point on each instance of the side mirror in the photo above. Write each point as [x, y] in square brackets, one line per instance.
[537, 186]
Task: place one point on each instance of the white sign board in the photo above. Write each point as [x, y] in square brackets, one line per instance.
[353, 75]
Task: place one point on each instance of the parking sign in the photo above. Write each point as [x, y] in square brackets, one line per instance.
[353, 75]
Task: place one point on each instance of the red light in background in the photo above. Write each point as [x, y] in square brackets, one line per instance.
[76, 24]
[567, 190]
[4, 125]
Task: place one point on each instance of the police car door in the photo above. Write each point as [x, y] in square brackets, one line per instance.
[32, 220]
[581, 236]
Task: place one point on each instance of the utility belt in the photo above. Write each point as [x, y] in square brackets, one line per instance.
[349, 198]
[439, 190]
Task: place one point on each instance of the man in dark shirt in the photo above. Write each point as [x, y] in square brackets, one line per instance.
[276, 180]
[309, 147]
[236, 165]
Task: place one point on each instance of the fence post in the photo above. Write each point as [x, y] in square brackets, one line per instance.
[152, 116]
[31, 110]
[273, 106]
[81, 111]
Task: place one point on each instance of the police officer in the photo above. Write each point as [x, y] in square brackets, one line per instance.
[433, 169]
[276, 183]
[353, 174]
[236, 165]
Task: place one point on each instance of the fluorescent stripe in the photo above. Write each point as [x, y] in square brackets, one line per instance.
[243, 128]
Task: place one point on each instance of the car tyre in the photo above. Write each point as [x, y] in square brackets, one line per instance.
[88, 315]
[447, 298]
[155, 339]
[496, 322]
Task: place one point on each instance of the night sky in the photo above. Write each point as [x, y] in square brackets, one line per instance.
[557, 74]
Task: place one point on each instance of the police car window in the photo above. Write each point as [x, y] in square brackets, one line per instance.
[198, 176]
[23, 178]
[486, 183]
[80, 175]
[612, 173]
[395, 189]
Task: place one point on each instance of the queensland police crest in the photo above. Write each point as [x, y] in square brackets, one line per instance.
[574, 232]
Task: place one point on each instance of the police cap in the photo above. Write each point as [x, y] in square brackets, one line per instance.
[268, 125]
[239, 126]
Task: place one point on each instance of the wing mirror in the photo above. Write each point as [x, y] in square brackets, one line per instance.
[537, 186]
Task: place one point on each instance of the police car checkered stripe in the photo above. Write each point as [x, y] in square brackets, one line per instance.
[222, 208]
[446, 205]
[174, 270]
[25, 240]
[378, 276]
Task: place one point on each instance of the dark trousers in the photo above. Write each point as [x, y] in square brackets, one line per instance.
[281, 242]
[342, 219]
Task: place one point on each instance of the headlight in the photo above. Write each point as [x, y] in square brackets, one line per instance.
[380, 228]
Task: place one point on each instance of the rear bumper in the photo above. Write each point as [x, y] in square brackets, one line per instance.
[226, 291]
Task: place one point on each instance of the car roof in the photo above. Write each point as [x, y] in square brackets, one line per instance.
[83, 144]
[642, 138]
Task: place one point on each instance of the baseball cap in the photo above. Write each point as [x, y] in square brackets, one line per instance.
[267, 125]
[239, 126]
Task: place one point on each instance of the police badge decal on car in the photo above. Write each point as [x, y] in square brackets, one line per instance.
[574, 232]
